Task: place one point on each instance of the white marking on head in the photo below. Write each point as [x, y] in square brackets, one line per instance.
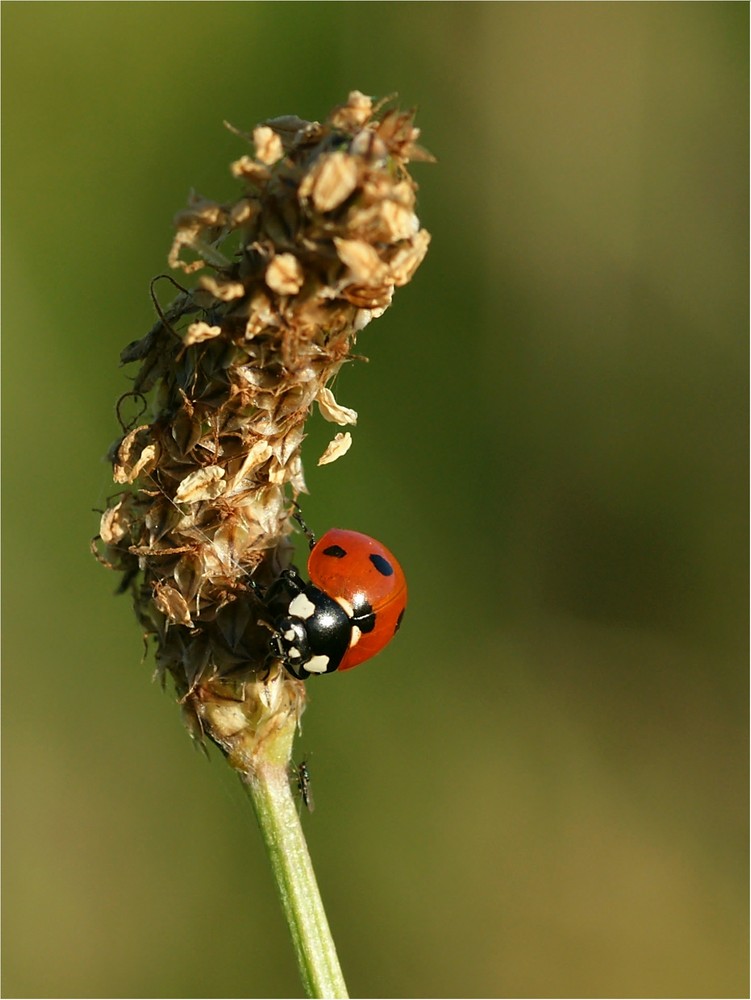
[355, 637]
[301, 607]
[294, 653]
[317, 664]
[344, 603]
[289, 635]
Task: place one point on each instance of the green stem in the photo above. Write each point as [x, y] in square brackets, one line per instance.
[295, 878]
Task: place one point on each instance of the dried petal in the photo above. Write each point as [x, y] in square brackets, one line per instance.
[248, 169]
[332, 181]
[284, 274]
[407, 259]
[388, 221]
[339, 446]
[202, 214]
[258, 454]
[198, 332]
[204, 484]
[114, 524]
[243, 211]
[225, 291]
[362, 259]
[355, 113]
[268, 145]
[172, 604]
[133, 457]
[332, 411]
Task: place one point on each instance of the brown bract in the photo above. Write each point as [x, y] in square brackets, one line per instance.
[322, 232]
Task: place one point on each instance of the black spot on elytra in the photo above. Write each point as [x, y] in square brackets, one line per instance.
[367, 624]
[399, 621]
[383, 566]
[364, 616]
[335, 551]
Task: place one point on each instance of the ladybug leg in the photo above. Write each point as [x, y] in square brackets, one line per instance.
[291, 579]
[275, 648]
[306, 530]
[289, 582]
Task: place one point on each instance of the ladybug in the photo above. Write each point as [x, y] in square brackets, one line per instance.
[350, 610]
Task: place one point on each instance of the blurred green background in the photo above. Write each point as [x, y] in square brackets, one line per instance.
[541, 788]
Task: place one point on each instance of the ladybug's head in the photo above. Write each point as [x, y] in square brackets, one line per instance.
[290, 644]
[312, 634]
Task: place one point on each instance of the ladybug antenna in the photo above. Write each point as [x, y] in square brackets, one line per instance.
[306, 530]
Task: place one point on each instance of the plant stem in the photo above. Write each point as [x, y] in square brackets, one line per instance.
[295, 878]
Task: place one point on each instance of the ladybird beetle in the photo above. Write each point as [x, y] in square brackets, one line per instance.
[350, 610]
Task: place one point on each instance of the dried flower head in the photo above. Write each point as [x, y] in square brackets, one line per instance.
[323, 231]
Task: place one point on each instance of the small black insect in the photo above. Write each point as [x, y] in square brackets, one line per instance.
[303, 784]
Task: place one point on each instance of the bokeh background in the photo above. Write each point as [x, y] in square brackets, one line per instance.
[541, 788]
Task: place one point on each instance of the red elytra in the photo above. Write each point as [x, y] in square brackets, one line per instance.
[355, 568]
